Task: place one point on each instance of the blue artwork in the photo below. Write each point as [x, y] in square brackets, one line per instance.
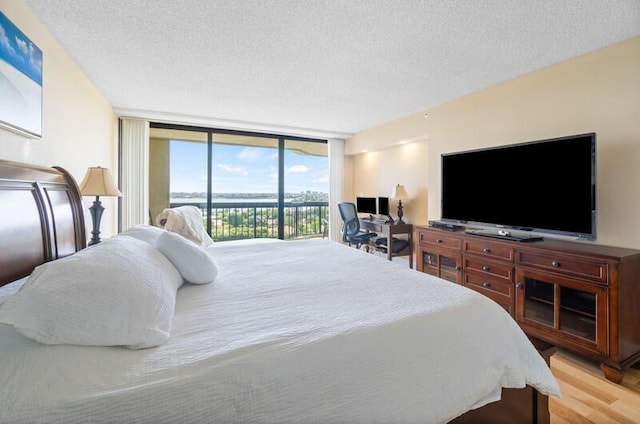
[20, 81]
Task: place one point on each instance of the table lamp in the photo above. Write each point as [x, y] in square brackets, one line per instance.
[401, 194]
[98, 182]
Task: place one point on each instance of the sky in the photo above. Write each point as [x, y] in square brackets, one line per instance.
[17, 50]
[244, 169]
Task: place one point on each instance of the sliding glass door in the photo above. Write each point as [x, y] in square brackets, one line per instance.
[306, 183]
[248, 185]
[177, 170]
[244, 187]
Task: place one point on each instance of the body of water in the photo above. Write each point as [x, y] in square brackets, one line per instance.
[224, 200]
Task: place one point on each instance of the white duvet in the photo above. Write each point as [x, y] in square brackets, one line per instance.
[290, 332]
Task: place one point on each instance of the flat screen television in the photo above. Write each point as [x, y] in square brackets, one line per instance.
[546, 186]
[367, 205]
[383, 206]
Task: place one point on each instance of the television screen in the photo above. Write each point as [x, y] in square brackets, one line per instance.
[383, 206]
[366, 205]
[546, 186]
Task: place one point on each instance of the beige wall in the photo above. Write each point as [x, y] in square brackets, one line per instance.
[79, 126]
[599, 92]
[375, 173]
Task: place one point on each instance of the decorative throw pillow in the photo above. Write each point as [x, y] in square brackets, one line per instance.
[120, 292]
[194, 264]
[186, 221]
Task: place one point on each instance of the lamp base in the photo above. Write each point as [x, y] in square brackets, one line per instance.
[400, 213]
[96, 215]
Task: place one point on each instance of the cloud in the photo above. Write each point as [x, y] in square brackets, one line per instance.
[297, 169]
[233, 169]
[249, 154]
[4, 41]
[34, 60]
[321, 180]
[23, 46]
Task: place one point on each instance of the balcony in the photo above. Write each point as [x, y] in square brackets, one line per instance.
[245, 220]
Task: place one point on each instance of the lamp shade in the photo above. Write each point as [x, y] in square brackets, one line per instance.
[98, 182]
[399, 193]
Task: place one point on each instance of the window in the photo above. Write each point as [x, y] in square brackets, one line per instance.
[247, 185]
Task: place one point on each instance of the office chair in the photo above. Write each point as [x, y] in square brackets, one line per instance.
[351, 233]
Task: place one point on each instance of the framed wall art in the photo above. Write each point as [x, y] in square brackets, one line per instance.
[20, 81]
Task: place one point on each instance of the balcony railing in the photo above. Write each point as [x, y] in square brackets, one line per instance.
[243, 220]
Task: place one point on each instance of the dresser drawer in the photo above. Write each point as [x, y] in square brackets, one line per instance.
[496, 292]
[506, 302]
[487, 283]
[568, 265]
[437, 238]
[488, 249]
[493, 269]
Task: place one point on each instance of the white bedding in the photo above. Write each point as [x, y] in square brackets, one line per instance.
[298, 332]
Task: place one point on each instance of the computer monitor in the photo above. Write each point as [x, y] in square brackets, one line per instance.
[383, 206]
[366, 205]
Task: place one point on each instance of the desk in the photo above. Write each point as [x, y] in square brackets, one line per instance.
[388, 230]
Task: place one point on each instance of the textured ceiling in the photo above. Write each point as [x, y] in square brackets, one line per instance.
[323, 65]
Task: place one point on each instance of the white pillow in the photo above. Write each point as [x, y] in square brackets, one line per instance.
[120, 292]
[145, 233]
[194, 264]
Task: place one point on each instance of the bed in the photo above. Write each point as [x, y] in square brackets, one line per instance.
[295, 331]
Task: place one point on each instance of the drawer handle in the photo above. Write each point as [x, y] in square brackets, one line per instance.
[486, 250]
[438, 240]
[458, 268]
[485, 267]
[520, 286]
[486, 284]
[556, 264]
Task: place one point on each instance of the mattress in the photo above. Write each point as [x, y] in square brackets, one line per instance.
[290, 332]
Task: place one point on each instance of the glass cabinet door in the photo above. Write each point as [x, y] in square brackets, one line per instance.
[568, 308]
[443, 265]
[539, 298]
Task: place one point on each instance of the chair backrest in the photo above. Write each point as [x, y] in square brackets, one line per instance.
[348, 211]
[349, 215]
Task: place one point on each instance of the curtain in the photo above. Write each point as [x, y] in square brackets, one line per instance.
[336, 186]
[134, 172]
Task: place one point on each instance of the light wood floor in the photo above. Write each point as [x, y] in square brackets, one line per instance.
[588, 398]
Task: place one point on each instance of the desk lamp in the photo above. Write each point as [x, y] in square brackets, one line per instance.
[98, 182]
[401, 194]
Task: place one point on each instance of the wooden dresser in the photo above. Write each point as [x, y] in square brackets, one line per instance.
[580, 296]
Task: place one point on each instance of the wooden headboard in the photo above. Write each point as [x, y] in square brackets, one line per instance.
[41, 218]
